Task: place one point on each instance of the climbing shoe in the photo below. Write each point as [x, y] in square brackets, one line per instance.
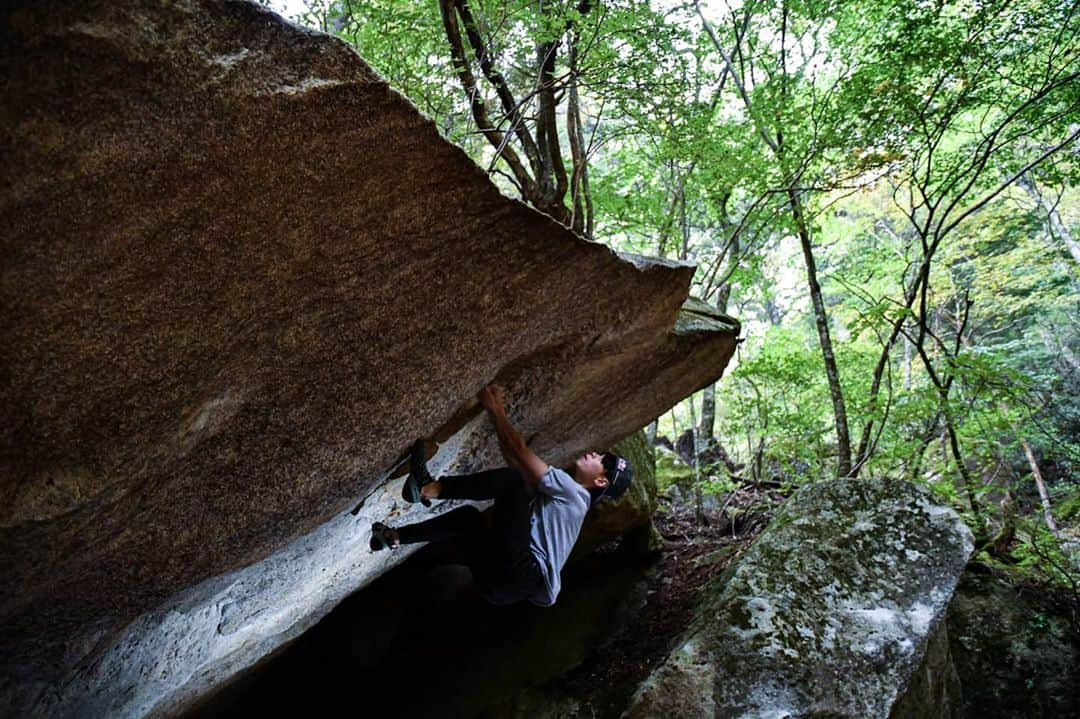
[418, 475]
[383, 537]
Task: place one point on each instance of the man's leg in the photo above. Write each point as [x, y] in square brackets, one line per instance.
[505, 568]
[506, 486]
[501, 558]
[458, 521]
[511, 527]
[512, 522]
[491, 484]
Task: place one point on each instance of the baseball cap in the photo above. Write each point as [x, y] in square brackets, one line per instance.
[619, 473]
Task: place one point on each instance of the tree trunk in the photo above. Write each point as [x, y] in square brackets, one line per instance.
[540, 177]
[773, 313]
[914, 469]
[699, 503]
[832, 372]
[707, 428]
[907, 363]
[966, 481]
[1059, 349]
[999, 545]
[1048, 515]
[651, 431]
[581, 216]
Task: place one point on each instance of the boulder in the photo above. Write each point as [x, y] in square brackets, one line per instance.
[240, 275]
[836, 610]
[1016, 646]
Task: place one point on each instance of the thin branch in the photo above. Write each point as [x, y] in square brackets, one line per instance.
[735, 76]
[1004, 185]
[502, 90]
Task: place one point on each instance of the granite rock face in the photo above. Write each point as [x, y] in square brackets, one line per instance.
[240, 275]
[837, 610]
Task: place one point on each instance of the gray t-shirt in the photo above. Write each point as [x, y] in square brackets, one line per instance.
[559, 509]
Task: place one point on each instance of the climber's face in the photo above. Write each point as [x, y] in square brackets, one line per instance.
[589, 470]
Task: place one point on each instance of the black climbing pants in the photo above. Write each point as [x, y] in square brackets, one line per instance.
[502, 563]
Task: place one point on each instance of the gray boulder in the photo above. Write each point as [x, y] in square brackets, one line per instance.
[836, 611]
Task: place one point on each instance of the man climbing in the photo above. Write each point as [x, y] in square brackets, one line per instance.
[538, 512]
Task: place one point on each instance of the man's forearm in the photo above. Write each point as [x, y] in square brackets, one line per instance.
[510, 440]
[517, 453]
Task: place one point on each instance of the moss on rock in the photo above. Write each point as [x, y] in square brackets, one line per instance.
[830, 613]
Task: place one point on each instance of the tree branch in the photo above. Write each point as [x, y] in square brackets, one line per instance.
[476, 102]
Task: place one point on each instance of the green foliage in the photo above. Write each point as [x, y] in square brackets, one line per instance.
[1046, 556]
[1068, 510]
[779, 394]
[718, 485]
[630, 65]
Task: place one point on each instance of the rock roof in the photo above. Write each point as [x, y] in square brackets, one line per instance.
[240, 275]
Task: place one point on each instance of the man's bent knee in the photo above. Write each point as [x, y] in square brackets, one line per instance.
[469, 516]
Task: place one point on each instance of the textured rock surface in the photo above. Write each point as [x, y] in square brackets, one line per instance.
[240, 274]
[1016, 648]
[830, 613]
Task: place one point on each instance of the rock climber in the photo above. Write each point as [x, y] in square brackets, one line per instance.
[539, 510]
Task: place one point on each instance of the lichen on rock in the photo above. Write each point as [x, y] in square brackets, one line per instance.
[829, 613]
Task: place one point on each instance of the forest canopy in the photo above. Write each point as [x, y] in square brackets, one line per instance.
[882, 191]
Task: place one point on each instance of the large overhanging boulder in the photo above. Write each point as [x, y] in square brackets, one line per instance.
[838, 610]
[240, 275]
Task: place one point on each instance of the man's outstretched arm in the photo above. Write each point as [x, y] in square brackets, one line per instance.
[512, 444]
